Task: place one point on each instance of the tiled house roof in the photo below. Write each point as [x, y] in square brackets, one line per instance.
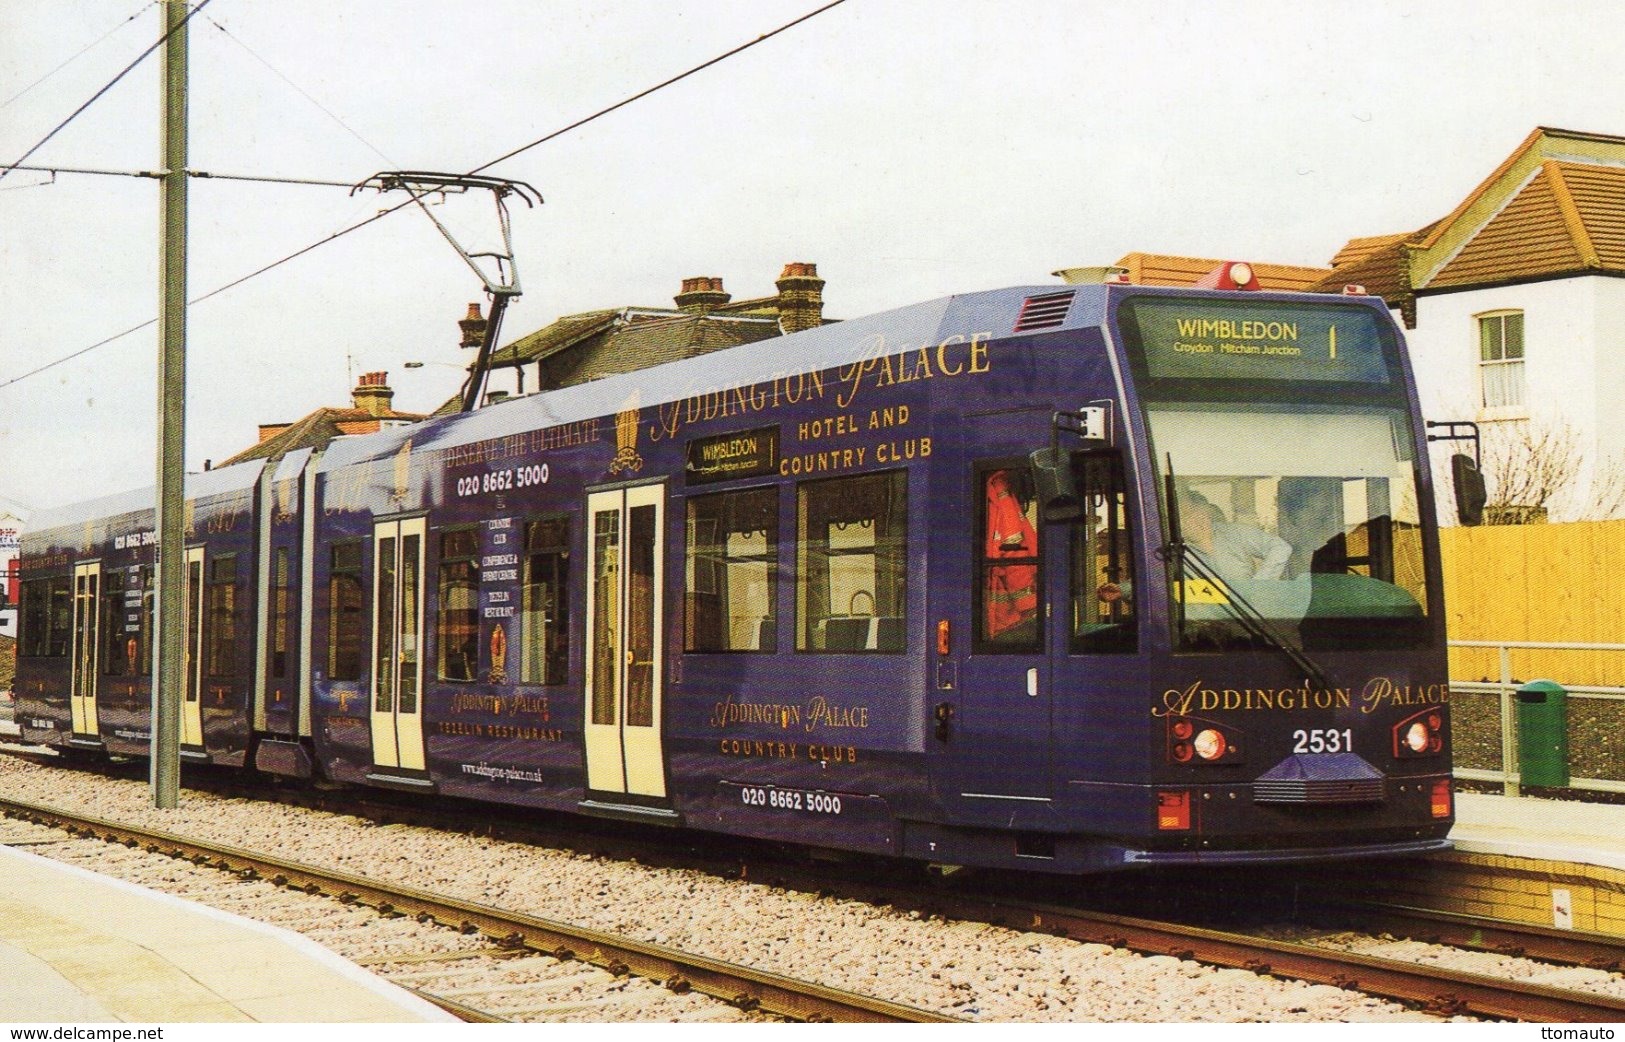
[586, 347]
[1568, 218]
[371, 410]
[1555, 207]
[1381, 264]
[595, 344]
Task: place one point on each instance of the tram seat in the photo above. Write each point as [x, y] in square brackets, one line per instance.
[753, 633]
[863, 633]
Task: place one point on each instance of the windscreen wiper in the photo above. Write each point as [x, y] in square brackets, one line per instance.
[1183, 556]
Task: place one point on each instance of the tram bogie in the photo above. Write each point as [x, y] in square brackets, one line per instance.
[950, 583]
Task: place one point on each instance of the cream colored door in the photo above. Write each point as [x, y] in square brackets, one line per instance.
[192, 701]
[397, 643]
[86, 647]
[625, 610]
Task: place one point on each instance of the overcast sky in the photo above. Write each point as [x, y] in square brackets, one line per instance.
[909, 148]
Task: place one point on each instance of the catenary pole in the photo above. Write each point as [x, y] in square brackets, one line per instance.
[169, 668]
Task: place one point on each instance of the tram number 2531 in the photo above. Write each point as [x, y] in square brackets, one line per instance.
[1323, 740]
[791, 800]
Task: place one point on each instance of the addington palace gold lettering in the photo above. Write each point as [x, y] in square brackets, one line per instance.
[1377, 692]
[882, 365]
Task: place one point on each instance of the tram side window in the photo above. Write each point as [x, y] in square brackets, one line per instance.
[545, 622]
[126, 622]
[458, 630]
[852, 563]
[280, 606]
[346, 629]
[47, 617]
[221, 611]
[1008, 561]
[1103, 561]
[733, 550]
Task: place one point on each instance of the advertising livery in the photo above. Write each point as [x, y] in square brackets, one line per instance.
[1061, 579]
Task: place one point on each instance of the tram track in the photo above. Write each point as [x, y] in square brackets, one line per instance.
[1433, 989]
[511, 933]
[1596, 951]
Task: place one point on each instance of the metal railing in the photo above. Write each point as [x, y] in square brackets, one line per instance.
[1509, 775]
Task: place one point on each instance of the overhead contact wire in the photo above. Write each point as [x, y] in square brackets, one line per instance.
[82, 52]
[381, 214]
[110, 85]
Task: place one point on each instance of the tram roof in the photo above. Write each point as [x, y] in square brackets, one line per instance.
[224, 481]
[826, 347]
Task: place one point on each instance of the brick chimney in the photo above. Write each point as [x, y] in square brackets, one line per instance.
[801, 297]
[473, 327]
[701, 294]
[372, 394]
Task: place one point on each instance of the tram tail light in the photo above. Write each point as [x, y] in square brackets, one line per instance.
[944, 633]
[1421, 734]
[1441, 798]
[1174, 811]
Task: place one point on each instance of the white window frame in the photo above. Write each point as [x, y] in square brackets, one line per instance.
[1502, 382]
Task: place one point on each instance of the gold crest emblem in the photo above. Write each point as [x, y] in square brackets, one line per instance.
[626, 439]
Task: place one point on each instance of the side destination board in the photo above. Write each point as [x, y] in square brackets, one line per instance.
[1189, 339]
[739, 455]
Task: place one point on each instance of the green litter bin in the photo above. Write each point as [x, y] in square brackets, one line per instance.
[1543, 734]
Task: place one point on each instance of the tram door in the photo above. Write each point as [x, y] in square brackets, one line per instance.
[624, 652]
[192, 701]
[86, 615]
[999, 736]
[397, 642]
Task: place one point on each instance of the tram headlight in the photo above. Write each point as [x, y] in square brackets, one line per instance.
[1421, 734]
[1210, 744]
[1192, 740]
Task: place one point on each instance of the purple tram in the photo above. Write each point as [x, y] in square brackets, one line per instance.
[1063, 579]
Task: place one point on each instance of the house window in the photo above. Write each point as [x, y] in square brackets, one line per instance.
[1500, 354]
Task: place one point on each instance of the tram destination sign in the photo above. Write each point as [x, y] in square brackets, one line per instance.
[1190, 339]
[742, 454]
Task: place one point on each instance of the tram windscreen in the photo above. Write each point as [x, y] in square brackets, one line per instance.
[1308, 517]
[1286, 429]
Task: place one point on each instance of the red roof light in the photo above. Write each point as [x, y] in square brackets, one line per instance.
[1230, 275]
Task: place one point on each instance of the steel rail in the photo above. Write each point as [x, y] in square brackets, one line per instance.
[1438, 990]
[1597, 951]
[746, 987]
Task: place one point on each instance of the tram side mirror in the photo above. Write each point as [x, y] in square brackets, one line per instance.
[1056, 486]
[1470, 492]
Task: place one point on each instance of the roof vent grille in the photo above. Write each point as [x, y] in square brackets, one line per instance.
[1045, 311]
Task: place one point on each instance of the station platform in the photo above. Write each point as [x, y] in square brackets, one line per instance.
[79, 948]
[1554, 830]
[1553, 863]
